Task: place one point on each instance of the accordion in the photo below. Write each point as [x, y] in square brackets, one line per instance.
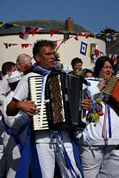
[111, 93]
[58, 101]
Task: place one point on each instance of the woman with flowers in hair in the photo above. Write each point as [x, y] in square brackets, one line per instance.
[99, 141]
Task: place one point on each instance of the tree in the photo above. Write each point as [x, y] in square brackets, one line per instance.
[108, 30]
[107, 34]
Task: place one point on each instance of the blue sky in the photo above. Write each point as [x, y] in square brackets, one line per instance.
[94, 15]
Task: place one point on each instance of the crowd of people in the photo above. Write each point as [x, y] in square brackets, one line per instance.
[61, 150]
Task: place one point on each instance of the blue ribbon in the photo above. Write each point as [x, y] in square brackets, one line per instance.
[109, 121]
[29, 159]
[59, 138]
[28, 152]
[76, 152]
[16, 136]
[22, 170]
[37, 69]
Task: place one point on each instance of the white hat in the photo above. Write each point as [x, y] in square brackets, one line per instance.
[14, 77]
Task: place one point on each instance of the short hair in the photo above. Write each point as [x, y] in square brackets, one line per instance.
[100, 63]
[41, 43]
[75, 61]
[21, 57]
[87, 71]
[7, 66]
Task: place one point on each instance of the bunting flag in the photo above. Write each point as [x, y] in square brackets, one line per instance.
[76, 37]
[27, 30]
[107, 36]
[21, 35]
[97, 35]
[7, 26]
[24, 32]
[83, 49]
[34, 30]
[53, 31]
[1, 24]
[7, 45]
[85, 34]
[25, 45]
[66, 35]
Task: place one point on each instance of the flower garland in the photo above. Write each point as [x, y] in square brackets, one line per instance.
[96, 111]
[57, 64]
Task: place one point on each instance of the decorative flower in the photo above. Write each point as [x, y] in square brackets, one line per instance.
[58, 65]
[96, 110]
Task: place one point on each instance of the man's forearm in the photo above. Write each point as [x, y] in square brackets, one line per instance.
[12, 108]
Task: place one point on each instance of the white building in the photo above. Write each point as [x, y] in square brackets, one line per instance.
[78, 44]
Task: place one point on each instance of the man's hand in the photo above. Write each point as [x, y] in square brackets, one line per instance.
[27, 106]
[86, 104]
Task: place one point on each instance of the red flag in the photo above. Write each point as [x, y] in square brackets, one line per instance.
[27, 30]
[87, 35]
[53, 31]
[34, 30]
[21, 35]
[24, 45]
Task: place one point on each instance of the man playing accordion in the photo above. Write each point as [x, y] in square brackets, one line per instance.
[47, 145]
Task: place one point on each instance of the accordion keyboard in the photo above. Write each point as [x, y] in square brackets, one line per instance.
[40, 118]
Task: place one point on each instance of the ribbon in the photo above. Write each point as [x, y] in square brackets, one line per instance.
[16, 136]
[39, 70]
[59, 142]
[76, 152]
[104, 130]
[109, 121]
[29, 162]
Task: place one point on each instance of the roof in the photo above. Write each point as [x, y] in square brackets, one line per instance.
[44, 25]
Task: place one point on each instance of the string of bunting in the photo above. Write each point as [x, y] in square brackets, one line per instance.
[33, 30]
[27, 30]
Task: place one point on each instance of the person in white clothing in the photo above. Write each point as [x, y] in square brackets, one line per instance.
[51, 145]
[6, 68]
[12, 153]
[99, 141]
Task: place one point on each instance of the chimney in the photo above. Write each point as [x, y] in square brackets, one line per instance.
[69, 25]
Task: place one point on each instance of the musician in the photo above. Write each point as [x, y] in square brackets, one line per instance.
[99, 141]
[51, 145]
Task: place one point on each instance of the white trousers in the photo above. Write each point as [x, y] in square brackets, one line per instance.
[100, 161]
[49, 152]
